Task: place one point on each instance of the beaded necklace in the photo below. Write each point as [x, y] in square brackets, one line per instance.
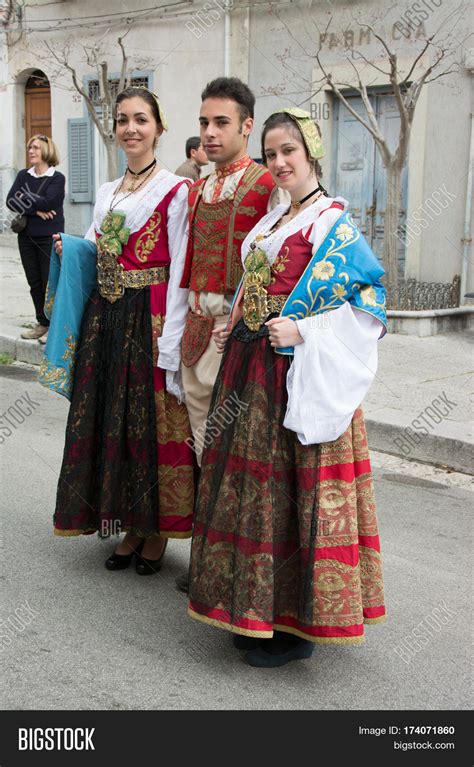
[115, 234]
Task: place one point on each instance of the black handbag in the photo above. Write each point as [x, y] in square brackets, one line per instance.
[19, 222]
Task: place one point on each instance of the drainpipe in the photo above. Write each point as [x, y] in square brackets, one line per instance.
[227, 8]
[466, 240]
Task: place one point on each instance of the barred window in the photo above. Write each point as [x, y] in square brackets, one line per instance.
[94, 91]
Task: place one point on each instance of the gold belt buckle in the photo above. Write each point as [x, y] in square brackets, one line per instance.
[110, 277]
[255, 307]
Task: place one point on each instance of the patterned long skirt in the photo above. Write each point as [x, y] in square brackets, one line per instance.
[126, 465]
[285, 535]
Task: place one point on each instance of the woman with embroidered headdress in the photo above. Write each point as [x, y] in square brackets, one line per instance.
[127, 466]
[285, 547]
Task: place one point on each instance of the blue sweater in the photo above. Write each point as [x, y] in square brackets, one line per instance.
[23, 197]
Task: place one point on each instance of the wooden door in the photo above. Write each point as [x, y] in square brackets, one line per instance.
[358, 172]
[37, 107]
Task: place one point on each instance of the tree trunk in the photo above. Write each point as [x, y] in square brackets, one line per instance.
[112, 160]
[391, 223]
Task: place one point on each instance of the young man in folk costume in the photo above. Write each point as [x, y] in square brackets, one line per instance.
[223, 208]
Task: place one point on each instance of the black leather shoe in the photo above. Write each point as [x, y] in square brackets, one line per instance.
[150, 566]
[182, 583]
[241, 642]
[122, 561]
[262, 659]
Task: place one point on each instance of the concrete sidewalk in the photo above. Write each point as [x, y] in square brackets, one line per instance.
[417, 379]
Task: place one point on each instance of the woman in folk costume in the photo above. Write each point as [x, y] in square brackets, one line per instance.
[285, 547]
[127, 466]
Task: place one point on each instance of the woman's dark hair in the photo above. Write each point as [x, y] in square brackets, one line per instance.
[231, 88]
[278, 119]
[141, 93]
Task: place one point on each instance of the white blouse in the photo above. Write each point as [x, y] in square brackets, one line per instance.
[138, 208]
[333, 368]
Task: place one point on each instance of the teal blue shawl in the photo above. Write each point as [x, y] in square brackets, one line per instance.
[342, 269]
[71, 281]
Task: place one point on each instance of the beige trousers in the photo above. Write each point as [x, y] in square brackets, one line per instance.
[198, 381]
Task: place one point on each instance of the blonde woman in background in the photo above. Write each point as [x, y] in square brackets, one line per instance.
[38, 194]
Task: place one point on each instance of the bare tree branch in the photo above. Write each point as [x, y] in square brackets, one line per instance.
[405, 88]
[64, 62]
[360, 55]
[407, 77]
[123, 81]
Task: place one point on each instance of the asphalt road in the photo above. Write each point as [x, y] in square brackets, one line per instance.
[75, 636]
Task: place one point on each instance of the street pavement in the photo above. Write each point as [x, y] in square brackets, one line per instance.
[413, 373]
[92, 639]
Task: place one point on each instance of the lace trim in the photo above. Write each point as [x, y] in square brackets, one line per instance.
[272, 244]
[139, 207]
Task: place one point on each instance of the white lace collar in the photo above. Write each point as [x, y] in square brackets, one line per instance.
[139, 206]
[272, 244]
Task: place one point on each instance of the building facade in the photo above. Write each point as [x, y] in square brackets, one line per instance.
[176, 48]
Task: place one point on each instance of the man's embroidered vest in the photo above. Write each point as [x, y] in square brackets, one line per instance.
[217, 230]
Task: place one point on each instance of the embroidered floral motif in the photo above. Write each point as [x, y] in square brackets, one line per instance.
[256, 264]
[59, 378]
[209, 233]
[146, 242]
[247, 210]
[281, 262]
[49, 303]
[228, 170]
[172, 421]
[114, 233]
[339, 290]
[323, 270]
[368, 296]
[344, 232]
[317, 299]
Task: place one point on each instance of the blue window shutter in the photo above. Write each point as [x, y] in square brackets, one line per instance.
[80, 154]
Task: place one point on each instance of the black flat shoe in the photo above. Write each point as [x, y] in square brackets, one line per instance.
[241, 642]
[182, 583]
[150, 566]
[122, 561]
[262, 659]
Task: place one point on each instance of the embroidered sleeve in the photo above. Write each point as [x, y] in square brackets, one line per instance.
[169, 356]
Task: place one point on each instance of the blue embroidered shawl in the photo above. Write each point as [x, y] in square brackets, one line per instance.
[342, 269]
[71, 281]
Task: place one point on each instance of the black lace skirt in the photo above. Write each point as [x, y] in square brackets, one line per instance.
[109, 475]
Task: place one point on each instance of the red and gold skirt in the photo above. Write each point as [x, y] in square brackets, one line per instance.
[285, 535]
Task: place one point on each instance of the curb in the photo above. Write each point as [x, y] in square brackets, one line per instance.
[454, 454]
[449, 453]
[21, 350]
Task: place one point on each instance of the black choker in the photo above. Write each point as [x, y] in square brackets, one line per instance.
[136, 175]
[300, 202]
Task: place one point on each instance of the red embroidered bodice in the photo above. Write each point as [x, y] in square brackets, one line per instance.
[293, 258]
[148, 246]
